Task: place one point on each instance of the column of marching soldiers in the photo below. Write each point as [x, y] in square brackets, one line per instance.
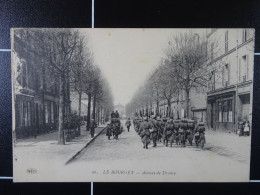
[169, 131]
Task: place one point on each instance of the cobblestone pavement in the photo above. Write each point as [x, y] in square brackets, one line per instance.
[224, 158]
[230, 145]
[44, 150]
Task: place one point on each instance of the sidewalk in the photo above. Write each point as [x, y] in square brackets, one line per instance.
[229, 144]
[45, 146]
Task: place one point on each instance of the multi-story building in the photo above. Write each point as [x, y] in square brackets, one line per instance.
[75, 104]
[228, 98]
[231, 59]
[35, 92]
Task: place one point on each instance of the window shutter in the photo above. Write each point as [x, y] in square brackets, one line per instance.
[239, 70]
[247, 66]
[223, 80]
[228, 73]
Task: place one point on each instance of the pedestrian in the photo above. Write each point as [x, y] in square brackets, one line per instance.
[246, 128]
[128, 124]
[93, 125]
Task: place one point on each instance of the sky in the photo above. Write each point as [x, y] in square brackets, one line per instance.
[127, 56]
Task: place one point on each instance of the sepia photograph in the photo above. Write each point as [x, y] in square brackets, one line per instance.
[132, 105]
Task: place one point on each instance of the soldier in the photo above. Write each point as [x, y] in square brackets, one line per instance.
[169, 132]
[109, 131]
[163, 124]
[93, 125]
[199, 134]
[128, 124]
[155, 129]
[145, 127]
[116, 114]
[160, 129]
[176, 131]
[113, 114]
[134, 122]
[138, 122]
[182, 131]
[189, 132]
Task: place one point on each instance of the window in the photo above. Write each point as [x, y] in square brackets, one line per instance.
[225, 75]
[46, 112]
[52, 112]
[226, 41]
[225, 111]
[219, 112]
[230, 115]
[244, 35]
[29, 123]
[211, 84]
[243, 69]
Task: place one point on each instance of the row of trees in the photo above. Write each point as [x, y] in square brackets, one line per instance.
[182, 68]
[66, 56]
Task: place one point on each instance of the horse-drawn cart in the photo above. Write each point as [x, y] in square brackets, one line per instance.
[114, 128]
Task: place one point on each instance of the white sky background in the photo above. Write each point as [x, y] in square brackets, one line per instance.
[127, 56]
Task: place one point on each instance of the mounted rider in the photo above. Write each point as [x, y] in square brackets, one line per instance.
[116, 114]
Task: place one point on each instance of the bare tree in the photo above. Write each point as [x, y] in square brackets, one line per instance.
[84, 59]
[187, 54]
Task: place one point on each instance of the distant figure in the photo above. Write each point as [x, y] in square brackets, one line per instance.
[246, 128]
[128, 124]
[113, 114]
[116, 114]
[93, 125]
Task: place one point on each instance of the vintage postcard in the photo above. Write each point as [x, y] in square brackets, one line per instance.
[132, 105]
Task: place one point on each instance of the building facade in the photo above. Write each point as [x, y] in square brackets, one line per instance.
[229, 97]
[35, 92]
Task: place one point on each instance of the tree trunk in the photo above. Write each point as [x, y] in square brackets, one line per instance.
[169, 108]
[89, 108]
[43, 97]
[97, 113]
[187, 104]
[80, 94]
[157, 108]
[178, 109]
[61, 139]
[101, 115]
[94, 108]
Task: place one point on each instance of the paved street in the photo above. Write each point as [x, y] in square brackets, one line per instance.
[216, 162]
[44, 152]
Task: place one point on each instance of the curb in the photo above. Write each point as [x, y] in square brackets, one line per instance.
[75, 155]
